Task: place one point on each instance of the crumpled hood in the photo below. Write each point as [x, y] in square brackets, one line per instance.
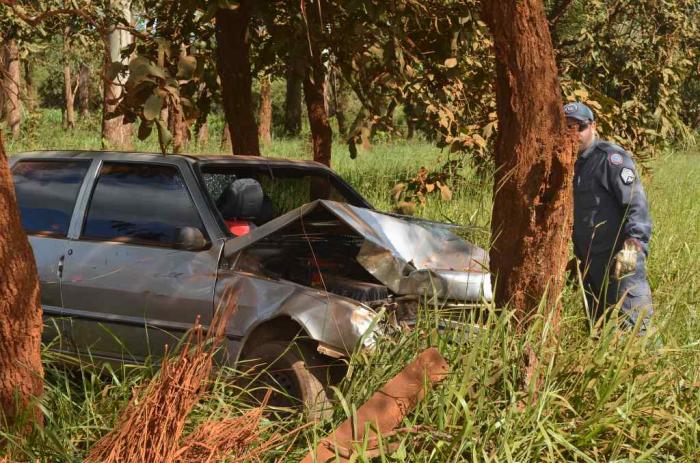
[409, 256]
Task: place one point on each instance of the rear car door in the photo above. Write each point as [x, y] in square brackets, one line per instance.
[127, 287]
[46, 192]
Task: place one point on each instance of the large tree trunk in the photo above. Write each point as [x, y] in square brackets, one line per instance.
[314, 90]
[12, 78]
[116, 134]
[292, 98]
[21, 372]
[532, 209]
[236, 81]
[84, 91]
[265, 125]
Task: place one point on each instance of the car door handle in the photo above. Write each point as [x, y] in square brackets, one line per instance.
[60, 266]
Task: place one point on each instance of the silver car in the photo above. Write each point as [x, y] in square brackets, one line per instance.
[131, 247]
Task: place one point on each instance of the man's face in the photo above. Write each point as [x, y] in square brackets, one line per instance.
[586, 132]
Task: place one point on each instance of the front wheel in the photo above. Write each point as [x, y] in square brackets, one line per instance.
[295, 374]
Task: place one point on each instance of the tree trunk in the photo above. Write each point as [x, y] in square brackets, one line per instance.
[264, 128]
[225, 138]
[69, 97]
[115, 133]
[12, 79]
[534, 156]
[21, 372]
[314, 91]
[178, 128]
[292, 99]
[84, 91]
[236, 81]
[203, 133]
[30, 86]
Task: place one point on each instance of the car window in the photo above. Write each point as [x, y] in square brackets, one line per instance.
[46, 193]
[141, 203]
[285, 188]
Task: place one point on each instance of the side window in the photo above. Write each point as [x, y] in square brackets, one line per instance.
[141, 203]
[46, 193]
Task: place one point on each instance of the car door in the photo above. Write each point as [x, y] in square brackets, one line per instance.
[126, 285]
[46, 191]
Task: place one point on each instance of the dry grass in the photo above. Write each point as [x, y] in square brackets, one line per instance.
[150, 427]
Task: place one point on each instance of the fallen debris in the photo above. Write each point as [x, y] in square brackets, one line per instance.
[385, 410]
[151, 426]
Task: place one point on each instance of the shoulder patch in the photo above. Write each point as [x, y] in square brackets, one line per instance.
[615, 159]
[627, 175]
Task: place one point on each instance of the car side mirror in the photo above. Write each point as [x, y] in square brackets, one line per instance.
[190, 239]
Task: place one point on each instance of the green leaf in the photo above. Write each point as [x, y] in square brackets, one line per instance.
[152, 107]
[186, 67]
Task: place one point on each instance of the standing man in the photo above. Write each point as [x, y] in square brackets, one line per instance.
[612, 226]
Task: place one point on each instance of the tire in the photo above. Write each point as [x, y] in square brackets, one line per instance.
[295, 374]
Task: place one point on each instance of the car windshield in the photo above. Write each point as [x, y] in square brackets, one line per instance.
[284, 188]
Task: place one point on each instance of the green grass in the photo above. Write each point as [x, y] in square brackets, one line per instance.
[606, 398]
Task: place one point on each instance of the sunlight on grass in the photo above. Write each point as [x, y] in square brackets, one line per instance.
[606, 398]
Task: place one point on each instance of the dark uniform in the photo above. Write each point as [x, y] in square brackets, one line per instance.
[610, 207]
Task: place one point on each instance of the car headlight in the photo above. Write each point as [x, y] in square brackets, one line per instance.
[364, 325]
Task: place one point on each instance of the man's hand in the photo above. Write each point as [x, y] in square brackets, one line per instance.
[626, 258]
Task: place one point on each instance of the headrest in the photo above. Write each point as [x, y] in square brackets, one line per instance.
[242, 199]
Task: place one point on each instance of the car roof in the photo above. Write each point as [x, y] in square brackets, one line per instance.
[135, 156]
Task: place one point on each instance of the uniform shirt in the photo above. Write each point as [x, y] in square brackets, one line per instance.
[609, 202]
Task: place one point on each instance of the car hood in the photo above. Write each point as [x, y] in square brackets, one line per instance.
[409, 256]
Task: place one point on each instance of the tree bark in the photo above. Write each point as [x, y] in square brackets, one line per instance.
[69, 96]
[265, 117]
[115, 133]
[21, 372]
[84, 91]
[12, 78]
[233, 64]
[314, 90]
[292, 98]
[534, 155]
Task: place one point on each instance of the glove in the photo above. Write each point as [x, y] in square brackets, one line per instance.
[626, 258]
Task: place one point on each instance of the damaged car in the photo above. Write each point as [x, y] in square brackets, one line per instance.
[132, 247]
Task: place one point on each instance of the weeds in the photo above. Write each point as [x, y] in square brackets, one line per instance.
[609, 397]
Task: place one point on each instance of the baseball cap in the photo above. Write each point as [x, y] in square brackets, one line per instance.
[579, 112]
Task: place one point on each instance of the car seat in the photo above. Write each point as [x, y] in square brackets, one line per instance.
[243, 205]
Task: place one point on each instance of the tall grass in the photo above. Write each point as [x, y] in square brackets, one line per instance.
[609, 397]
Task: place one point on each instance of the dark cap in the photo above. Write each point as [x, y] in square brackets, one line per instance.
[578, 111]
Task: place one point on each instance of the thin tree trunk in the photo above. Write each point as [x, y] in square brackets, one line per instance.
[84, 91]
[178, 128]
[12, 79]
[203, 133]
[292, 98]
[314, 90]
[21, 372]
[115, 133]
[236, 81]
[532, 209]
[225, 138]
[409, 112]
[264, 128]
[30, 86]
[69, 101]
